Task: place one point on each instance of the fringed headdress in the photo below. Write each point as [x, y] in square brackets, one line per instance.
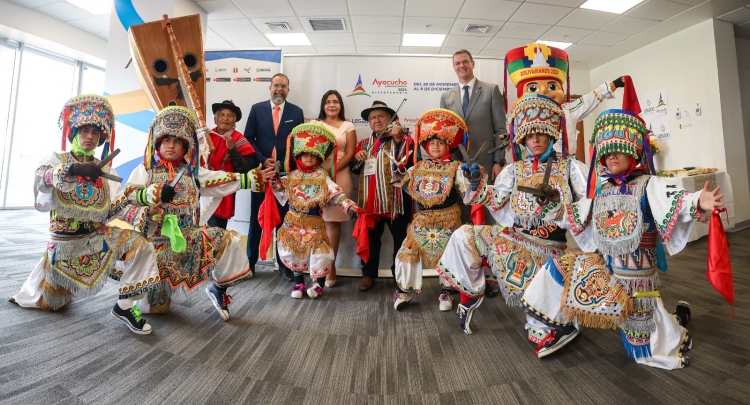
[444, 125]
[179, 122]
[314, 139]
[536, 114]
[535, 61]
[620, 131]
[88, 109]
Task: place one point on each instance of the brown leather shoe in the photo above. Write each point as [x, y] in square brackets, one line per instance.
[366, 284]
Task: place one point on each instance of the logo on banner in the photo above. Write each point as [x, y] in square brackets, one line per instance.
[359, 90]
[397, 86]
[235, 70]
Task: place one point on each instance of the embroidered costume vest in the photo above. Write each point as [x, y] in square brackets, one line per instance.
[431, 184]
[625, 233]
[537, 220]
[186, 203]
[308, 192]
[83, 209]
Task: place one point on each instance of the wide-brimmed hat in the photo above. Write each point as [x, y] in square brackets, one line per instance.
[377, 105]
[227, 105]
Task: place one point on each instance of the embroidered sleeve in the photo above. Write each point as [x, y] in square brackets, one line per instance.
[252, 181]
[695, 214]
[145, 196]
[581, 108]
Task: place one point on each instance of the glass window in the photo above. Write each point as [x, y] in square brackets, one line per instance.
[92, 81]
[46, 83]
[7, 66]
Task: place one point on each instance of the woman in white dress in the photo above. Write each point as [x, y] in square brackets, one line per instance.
[332, 117]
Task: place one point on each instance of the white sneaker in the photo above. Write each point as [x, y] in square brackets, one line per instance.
[401, 300]
[446, 301]
[314, 291]
[330, 283]
[297, 291]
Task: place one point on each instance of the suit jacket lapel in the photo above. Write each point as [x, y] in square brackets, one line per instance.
[284, 116]
[474, 97]
[457, 94]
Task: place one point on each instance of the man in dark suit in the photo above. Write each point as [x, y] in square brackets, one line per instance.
[268, 126]
[482, 107]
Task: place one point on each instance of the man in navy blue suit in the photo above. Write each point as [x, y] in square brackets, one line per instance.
[268, 126]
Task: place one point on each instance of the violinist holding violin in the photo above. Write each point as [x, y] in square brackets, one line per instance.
[380, 160]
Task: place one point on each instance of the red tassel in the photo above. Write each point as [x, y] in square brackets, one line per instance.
[719, 272]
[66, 130]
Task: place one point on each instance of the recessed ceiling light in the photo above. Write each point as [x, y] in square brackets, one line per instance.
[561, 45]
[610, 6]
[435, 40]
[288, 39]
[95, 7]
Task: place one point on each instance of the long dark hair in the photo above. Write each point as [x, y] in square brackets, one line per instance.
[322, 114]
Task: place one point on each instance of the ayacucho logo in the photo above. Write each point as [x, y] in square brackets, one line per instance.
[359, 90]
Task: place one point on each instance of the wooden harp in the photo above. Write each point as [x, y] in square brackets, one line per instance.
[170, 63]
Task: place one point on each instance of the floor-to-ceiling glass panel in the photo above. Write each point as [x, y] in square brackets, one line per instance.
[45, 85]
[92, 81]
[7, 66]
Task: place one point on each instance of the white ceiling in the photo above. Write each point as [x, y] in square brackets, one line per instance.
[378, 26]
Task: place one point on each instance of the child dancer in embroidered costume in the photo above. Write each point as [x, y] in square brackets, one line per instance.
[537, 228]
[302, 241]
[540, 69]
[83, 249]
[632, 211]
[437, 185]
[187, 253]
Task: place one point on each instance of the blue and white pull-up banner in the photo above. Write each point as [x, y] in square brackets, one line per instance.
[244, 77]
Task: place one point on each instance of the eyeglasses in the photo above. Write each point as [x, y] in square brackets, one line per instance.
[280, 86]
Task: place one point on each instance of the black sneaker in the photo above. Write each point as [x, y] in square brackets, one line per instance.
[132, 318]
[682, 313]
[492, 290]
[220, 299]
[555, 341]
[465, 313]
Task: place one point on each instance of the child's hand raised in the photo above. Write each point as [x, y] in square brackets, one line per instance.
[709, 200]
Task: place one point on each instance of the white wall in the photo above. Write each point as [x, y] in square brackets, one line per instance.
[742, 47]
[685, 64]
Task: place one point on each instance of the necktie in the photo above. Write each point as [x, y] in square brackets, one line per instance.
[275, 119]
[465, 103]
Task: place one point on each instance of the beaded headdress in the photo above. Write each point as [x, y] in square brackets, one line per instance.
[314, 139]
[620, 131]
[88, 109]
[536, 114]
[176, 121]
[442, 124]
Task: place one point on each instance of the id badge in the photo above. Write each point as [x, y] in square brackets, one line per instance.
[371, 166]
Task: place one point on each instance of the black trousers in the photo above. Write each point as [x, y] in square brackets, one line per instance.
[254, 234]
[218, 222]
[398, 230]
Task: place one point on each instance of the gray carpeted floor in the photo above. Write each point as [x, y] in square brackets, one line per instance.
[349, 347]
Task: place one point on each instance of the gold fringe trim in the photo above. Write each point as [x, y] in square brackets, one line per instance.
[225, 241]
[61, 295]
[584, 318]
[161, 309]
[434, 171]
[317, 178]
[442, 220]
[311, 223]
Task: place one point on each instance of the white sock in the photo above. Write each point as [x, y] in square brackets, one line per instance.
[127, 303]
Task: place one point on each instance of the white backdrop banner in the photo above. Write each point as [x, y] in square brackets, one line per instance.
[361, 80]
[243, 76]
[655, 112]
